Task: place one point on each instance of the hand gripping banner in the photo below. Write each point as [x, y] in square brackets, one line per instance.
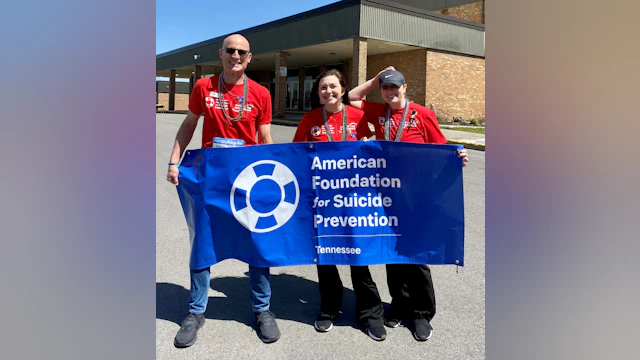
[343, 203]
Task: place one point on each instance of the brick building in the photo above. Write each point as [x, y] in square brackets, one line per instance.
[181, 94]
[437, 44]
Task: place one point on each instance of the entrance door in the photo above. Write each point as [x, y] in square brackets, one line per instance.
[308, 84]
[292, 95]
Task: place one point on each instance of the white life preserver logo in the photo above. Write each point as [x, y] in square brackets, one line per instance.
[264, 196]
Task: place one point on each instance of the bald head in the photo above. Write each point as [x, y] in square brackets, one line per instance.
[235, 40]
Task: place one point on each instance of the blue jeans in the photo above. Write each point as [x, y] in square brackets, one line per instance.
[258, 279]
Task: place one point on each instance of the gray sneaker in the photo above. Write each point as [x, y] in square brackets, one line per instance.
[392, 319]
[267, 328]
[422, 329]
[324, 322]
[392, 322]
[377, 332]
[186, 336]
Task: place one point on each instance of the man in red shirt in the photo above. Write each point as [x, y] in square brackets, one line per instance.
[237, 107]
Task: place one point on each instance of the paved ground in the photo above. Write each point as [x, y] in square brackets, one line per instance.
[228, 332]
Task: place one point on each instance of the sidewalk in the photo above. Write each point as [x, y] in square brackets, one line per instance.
[469, 140]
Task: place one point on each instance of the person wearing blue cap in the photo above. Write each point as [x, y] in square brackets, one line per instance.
[398, 119]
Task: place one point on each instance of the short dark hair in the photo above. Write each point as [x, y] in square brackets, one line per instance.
[315, 99]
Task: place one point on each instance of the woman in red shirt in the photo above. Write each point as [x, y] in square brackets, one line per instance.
[332, 119]
[398, 119]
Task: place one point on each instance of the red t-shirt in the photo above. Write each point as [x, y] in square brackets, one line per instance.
[204, 99]
[421, 125]
[311, 127]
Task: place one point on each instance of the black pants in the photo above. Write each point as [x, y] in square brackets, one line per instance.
[368, 304]
[411, 289]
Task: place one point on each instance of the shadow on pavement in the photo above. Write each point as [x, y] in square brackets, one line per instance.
[293, 298]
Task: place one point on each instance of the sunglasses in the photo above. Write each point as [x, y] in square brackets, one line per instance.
[231, 51]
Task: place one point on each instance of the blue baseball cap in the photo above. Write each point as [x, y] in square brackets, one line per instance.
[392, 77]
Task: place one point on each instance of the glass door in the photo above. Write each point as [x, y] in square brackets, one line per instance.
[292, 95]
[308, 84]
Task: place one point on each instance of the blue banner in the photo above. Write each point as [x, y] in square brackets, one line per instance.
[343, 203]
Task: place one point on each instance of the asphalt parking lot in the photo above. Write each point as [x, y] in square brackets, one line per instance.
[459, 325]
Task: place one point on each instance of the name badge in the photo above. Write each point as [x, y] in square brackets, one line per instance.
[219, 142]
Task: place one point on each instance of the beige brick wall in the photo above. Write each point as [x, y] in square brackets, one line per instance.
[455, 85]
[469, 12]
[412, 64]
[182, 101]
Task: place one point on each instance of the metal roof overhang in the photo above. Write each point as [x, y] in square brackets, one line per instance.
[325, 36]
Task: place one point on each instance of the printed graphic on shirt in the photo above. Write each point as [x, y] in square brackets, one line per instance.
[413, 122]
[351, 130]
[320, 130]
[209, 101]
[392, 121]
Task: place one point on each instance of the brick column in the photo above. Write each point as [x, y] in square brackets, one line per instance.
[279, 103]
[359, 62]
[172, 90]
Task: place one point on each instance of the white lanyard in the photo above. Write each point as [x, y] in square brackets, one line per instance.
[344, 123]
[402, 122]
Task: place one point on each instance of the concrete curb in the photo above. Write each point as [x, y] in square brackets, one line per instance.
[468, 144]
[454, 127]
[284, 122]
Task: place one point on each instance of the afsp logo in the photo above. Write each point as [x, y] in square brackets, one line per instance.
[315, 131]
[209, 101]
[264, 196]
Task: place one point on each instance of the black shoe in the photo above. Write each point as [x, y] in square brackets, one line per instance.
[324, 322]
[392, 319]
[267, 328]
[392, 322]
[422, 330]
[377, 332]
[186, 336]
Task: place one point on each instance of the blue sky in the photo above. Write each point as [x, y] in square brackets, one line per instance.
[182, 23]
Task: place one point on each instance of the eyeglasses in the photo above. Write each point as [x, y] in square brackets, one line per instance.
[231, 51]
